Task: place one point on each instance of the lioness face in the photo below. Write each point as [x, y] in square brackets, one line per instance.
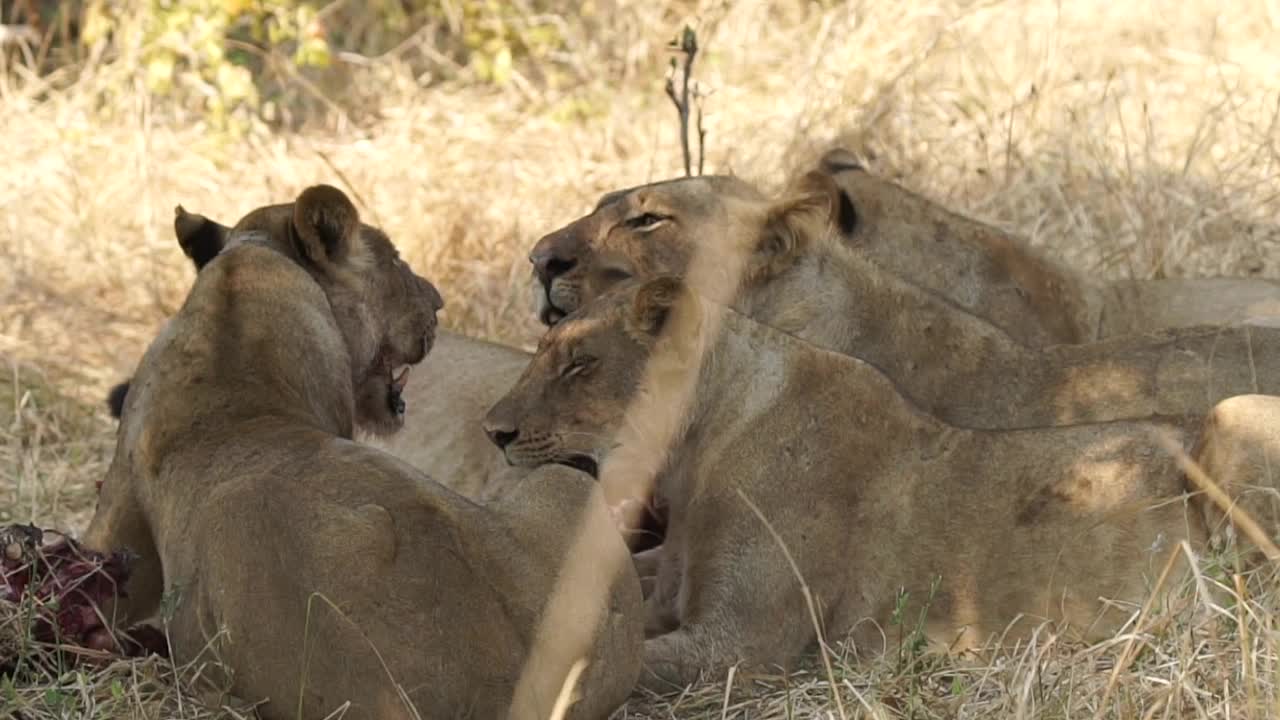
[574, 393]
[392, 322]
[641, 232]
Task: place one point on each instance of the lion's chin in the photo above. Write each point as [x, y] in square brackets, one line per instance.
[380, 424]
[380, 406]
[548, 312]
[550, 315]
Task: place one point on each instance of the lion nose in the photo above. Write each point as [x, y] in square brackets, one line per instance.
[549, 262]
[500, 435]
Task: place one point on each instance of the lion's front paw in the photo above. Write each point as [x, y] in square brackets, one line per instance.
[667, 668]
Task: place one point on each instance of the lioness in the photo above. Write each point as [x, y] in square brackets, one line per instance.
[868, 494]
[988, 273]
[999, 277]
[324, 574]
[442, 435]
[804, 278]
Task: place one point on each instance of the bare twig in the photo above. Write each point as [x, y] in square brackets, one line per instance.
[702, 133]
[686, 44]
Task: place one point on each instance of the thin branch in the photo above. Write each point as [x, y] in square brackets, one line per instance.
[687, 45]
[702, 133]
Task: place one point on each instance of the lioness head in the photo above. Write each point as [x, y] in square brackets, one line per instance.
[652, 229]
[635, 233]
[572, 397]
[386, 312]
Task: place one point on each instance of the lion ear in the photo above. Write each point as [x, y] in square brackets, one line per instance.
[116, 398]
[326, 223]
[201, 239]
[652, 304]
[789, 226]
[837, 161]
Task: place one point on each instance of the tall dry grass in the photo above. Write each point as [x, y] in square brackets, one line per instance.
[1135, 138]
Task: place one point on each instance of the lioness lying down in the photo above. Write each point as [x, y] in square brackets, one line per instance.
[804, 278]
[869, 494]
[999, 277]
[442, 433]
[979, 268]
[320, 571]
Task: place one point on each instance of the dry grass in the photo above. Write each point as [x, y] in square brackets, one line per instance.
[1137, 138]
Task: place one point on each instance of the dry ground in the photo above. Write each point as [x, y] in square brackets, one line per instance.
[1130, 138]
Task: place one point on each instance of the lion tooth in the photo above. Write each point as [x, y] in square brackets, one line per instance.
[399, 379]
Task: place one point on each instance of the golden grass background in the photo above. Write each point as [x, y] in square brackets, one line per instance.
[1135, 138]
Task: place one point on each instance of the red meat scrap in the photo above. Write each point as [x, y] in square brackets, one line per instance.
[62, 586]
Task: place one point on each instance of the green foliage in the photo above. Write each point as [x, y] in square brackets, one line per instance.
[912, 637]
[490, 39]
[497, 33]
[235, 61]
[213, 50]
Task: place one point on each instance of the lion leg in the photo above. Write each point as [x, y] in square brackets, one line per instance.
[646, 562]
[659, 616]
[1239, 449]
[702, 650]
[658, 568]
[120, 523]
[737, 603]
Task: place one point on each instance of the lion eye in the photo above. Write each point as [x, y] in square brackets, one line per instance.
[577, 366]
[646, 221]
[615, 274]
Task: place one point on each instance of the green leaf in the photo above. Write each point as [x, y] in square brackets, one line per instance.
[502, 66]
[54, 698]
[312, 52]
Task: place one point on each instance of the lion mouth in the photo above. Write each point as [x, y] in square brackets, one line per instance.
[548, 313]
[551, 315]
[585, 463]
[397, 378]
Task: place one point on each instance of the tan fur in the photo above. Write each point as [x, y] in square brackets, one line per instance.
[442, 434]
[318, 570]
[1241, 440]
[805, 278]
[1001, 278]
[869, 494]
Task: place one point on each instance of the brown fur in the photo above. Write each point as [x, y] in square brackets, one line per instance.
[869, 494]
[804, 277]
[318, 570]
[1241, 440]
[999, 277]
[442, 434]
